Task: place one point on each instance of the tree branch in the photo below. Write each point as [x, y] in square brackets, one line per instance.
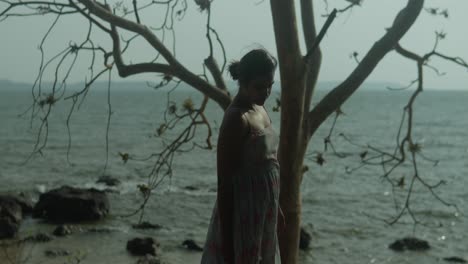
[127, 70]
[335, 98]
[213, 67]
[210, 62]
[315, 44]
[180, 71]
[406, 147]
[310, 36]
[104, 14]
[39, 4]
[135, 9]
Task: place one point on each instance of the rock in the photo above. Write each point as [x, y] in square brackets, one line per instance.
[10, 217]
[24, 201]
[100, 230]
[304, 239]
[62, 230]
[8, 227]
[68, 204]
[398, 245]
[455, 260]
[142, 246]
[53, 253]
[38, 238]
[108, 180]
[190, 188]
[409, 243]
[146, 225]
[191, 245]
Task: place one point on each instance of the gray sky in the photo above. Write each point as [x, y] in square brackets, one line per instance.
[245, 24]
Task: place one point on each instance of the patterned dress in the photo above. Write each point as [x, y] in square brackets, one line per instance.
[256, 193]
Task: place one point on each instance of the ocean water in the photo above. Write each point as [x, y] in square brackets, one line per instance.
[343, 211]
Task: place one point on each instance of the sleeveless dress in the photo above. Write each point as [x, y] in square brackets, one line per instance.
[256, 205]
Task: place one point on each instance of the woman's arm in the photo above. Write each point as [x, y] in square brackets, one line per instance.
[230, 141]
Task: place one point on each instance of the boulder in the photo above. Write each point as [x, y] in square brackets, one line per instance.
[455, 260]
[191, 188]
[191, 245]
[10, 217]
[108, 180]
[146, 225]
[24, 201]
[409, 243]
[104, 230]
[69, 204]
[38, 238]
[304, 239]
[8, 227]
[142, 246]
[62, 230]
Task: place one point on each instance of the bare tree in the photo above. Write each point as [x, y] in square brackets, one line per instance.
[298, 70]
[299, 121]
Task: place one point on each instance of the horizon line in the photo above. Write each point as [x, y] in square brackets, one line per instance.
[394, 85]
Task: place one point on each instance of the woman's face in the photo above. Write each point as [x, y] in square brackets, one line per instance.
[259, 89]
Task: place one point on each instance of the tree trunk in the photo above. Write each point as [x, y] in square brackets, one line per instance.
[298, 126]
[292, 137]
[290, 201]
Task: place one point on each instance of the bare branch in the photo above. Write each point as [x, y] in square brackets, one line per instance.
[135, 9]
[457, 60]
[90, 18]
[352, 3]
[404, 87]
[320, 36]
[162, 167]
[406, 148]
[213, 67]
[210, 62]
[310, 35]
[404, 20]
[222, 48]
[184, 74]
[40, 7]
[437, 12]
[109, 114]
[127, 70]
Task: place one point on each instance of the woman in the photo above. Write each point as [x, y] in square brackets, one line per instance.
[244, 220]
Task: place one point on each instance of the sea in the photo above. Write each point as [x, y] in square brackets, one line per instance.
[345, 206]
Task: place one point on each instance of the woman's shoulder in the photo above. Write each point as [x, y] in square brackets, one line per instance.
[235, 117]
[236, 112]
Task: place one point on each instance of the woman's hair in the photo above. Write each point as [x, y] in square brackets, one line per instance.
[257, 62]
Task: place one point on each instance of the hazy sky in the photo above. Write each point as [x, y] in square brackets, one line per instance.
[245, 24]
